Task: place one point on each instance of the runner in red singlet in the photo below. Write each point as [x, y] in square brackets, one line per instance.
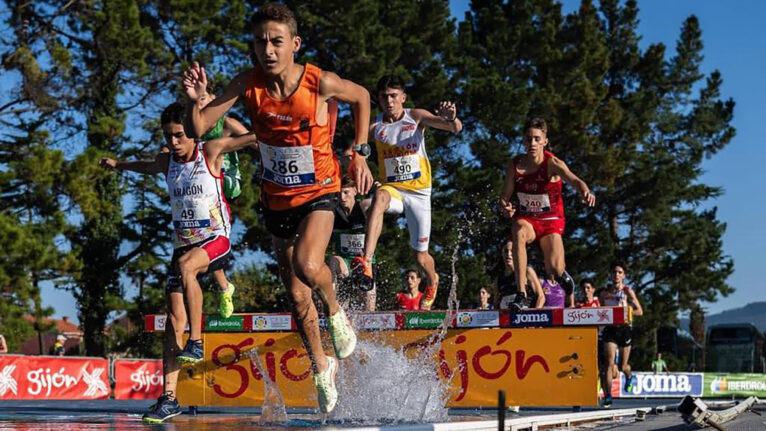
[409, 299]
[301, 177]
[535, 179]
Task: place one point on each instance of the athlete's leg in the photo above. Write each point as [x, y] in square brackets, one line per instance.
[173, 340]
[426, 262]
[338, 267]
[308, 256]
[610, 350]
[191, 264]
[370, 298]
[303, 308]
[220, 279]
[624, 364]
[374, 226]
[553, 251]
[523, 234]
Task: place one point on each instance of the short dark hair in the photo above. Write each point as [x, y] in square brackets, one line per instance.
[173, 113]
[617, 263]
[390, 81]
[275, 12]
[415, 271]
[585, 281]
[536, 123]
[347, 182]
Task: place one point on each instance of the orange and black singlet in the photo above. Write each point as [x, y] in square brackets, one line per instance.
[296, 152]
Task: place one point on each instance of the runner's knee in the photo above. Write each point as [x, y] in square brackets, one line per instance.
[381, 201]
[307, 271]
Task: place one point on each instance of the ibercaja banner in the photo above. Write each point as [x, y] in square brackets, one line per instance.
[53, 378]
[137, 379]
[473, 364]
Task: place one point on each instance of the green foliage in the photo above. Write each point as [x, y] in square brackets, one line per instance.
[634, 123]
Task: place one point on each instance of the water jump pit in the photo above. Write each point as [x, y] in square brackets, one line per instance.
[408, 368]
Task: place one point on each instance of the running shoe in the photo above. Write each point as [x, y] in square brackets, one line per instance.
[226, 302]
[628, 386]
[428, 298]
[192, 352]
[162, 410]
[327, 395]
[361, 269]
[607, 401]
[342, 334]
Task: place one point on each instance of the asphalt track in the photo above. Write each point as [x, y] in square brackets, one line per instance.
[126, 415]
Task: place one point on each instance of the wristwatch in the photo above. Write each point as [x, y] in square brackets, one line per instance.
[363, 149]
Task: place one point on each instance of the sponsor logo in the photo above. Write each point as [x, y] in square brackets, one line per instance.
[722, 385]
[424, 320]
[374, 321]
[7, 382]
[44, 380]
[676, 384]
[272, 323]
[280, 117]
[532, 318]
[587, 316]
[143, 380]
[423, 239]
[195, 189]
[476, 319]
[159, 322]
[214, 323]
[408, 127]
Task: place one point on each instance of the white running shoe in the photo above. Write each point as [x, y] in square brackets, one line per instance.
[342, 334]
[327, 395]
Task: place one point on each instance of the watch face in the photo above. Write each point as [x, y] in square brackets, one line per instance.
[363, 149]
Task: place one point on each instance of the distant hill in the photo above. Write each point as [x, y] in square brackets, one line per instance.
[754, 313]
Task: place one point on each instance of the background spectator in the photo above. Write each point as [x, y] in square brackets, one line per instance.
[484, 297]
[658, 365]
[58, 346]
[409, 298]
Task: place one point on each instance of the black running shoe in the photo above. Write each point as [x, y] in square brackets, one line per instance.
[163, 410]
[192, 352]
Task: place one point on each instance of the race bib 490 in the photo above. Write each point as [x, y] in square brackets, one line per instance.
[403, 168]
[288, 166]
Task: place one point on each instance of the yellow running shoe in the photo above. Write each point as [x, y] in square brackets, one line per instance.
[327, 395]
[226, 302]
[342, 334]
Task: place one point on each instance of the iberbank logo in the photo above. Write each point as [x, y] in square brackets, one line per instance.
[424, 320]
[217, 323]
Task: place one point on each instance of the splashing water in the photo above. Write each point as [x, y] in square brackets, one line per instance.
[273, 409]
[380, 384]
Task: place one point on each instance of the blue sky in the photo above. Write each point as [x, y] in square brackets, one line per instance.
[735, 44]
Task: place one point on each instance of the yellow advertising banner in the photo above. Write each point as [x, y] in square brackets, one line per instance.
[536, 367]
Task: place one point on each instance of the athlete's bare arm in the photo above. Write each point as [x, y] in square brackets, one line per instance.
[332, 86]
[534, 281]
[633, 301]
[445, 118]
[227, 144]
[204, 116]
[156, 166]
[232, 127]
[558, 167]
[505, 199]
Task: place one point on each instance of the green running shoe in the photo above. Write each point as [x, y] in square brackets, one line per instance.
[342, 334]
[226, 302]
[327, 395]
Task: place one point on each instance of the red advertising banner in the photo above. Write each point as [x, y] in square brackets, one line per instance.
[137, 379]
[53, 378]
